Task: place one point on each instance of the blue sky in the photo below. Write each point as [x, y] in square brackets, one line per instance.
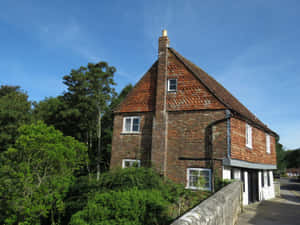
[251, 47]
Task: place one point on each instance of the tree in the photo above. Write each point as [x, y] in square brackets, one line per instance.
[292, 158]
[90, 91]
[49, 110]
[37, 173]
[280, 154]
[15, 110]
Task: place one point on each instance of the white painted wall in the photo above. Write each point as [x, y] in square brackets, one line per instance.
[226, 173]
[245, 193]
[237, 174]
[266, 192]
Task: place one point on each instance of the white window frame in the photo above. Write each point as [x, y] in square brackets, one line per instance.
[268, 144]
[172, 90]
[198, 188]
[131, 161]
[131, 124]
[248, 136]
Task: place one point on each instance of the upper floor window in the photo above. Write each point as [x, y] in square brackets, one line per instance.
[248, 136]
[199, 178]
[126, 163]
[131, 124]
[172, 85]
[268, 143]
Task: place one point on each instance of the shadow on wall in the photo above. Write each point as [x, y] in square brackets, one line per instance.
[146, 141]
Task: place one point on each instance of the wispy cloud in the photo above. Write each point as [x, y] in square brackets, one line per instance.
[51, 28]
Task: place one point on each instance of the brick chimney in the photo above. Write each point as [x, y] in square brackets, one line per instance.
[160, 129]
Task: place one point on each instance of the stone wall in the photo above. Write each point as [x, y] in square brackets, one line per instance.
[277, 188]
[222, 208]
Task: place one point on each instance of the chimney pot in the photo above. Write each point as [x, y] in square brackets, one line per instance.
[164, 33]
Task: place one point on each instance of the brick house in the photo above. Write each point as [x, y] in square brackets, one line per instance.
[185, 124]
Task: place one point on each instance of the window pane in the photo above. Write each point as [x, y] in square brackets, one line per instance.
[206, 182]
[127, 124]
[199, 179]
[127, 164]
[194, 172]
[193, 181]
[204, 173]
[136, 124]
[172, 85]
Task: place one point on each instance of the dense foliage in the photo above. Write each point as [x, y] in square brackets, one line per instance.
[280, 153]
[131, 207]
[292, 158]
[286, 158]
[85, 110]
[14, 112]
[132, 194]
[36, 174]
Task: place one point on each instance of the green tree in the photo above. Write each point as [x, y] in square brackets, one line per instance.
[280, 154]
[15, 110]
[37, 173]
[90, 91]
[49, 111]
[292, 158]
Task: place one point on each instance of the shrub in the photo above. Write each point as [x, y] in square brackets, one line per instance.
[131, 207]
[140, 178]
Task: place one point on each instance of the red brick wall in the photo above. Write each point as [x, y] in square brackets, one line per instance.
[191, 94]
[186, 138]
[258, 152]
[142, 96]
[131, 146]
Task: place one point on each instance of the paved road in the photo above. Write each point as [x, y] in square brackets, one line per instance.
[280, 211]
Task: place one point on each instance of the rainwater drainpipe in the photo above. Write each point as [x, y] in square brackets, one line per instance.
[228, 115]
[227, 119]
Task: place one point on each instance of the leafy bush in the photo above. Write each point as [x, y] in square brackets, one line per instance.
[114, 193]
[131, 207]
[140, 178]
[37, 173]
[122, 179]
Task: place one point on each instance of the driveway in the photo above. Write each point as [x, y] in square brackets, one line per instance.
[279, 211]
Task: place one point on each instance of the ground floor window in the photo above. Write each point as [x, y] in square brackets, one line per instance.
[131, 163]
[199, 178]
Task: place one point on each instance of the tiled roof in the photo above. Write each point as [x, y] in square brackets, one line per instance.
[220, 92]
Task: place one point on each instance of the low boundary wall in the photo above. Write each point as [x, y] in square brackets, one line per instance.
[222, 208]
